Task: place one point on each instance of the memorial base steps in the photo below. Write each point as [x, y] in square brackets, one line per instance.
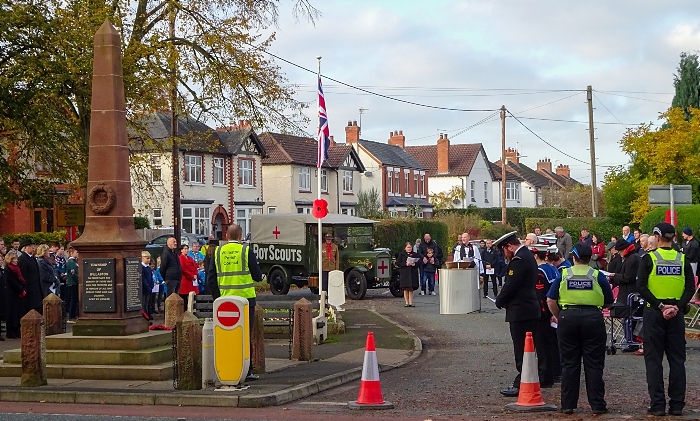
[144, 356]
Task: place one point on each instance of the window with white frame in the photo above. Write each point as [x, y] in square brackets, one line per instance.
[422, 185]
[303, 210]
[512, 190]
[415, 179]
[347, 181]
[195, 220]
[156, 172]
[407, 179]
[486, 192]
[324, 181]
[348, 211]
[219, 171]
[419, 214]
[245, 172]
[390, 181]
[396, 182]
[473, 190]
[193, 168]
[157, 217]
[271, 209]
[243, 218]
[304, 179]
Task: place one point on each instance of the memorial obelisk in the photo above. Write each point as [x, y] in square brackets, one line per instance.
[110, 249]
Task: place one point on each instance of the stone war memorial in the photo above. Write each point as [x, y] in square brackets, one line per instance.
[111, 339]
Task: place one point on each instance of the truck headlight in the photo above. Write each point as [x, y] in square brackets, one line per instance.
[368, 265]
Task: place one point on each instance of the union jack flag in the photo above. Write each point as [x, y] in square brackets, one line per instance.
[324, 140]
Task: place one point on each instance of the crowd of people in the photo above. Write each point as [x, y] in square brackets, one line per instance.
[557, 289]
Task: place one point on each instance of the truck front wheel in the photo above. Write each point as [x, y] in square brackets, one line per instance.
[278, 282]
[355, 284]
[395, 286]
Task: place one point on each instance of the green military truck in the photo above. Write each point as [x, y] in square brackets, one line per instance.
[286, 246]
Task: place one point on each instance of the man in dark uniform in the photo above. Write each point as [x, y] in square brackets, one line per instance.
[582, 292]
[29, 267]
[667, 284]
[519, 297]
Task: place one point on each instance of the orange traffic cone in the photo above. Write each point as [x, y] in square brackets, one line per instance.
[370, 396]
[529, 396]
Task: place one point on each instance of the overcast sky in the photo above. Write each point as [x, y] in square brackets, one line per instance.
[484, 54]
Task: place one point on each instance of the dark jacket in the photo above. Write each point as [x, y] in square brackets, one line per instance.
[490, 257]
[423, 249]
[16, 303]
[30, 271]
[431, 267]
[146, 279]
[518, 295]
[626, 278]
[615, 263]
[408, 275]
[47, 274]
[691, 249]
[170, 266]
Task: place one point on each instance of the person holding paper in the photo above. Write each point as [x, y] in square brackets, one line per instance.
[465, 251]
[408, 262]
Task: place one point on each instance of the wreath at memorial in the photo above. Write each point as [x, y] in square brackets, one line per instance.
[102, 198]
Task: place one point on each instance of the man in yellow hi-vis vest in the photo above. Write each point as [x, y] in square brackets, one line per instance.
[232, 272]
[666, 283]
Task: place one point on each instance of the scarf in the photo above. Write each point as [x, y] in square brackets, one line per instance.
[17, 272]
[329, 251]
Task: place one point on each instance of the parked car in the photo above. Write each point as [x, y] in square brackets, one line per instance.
[156, 246]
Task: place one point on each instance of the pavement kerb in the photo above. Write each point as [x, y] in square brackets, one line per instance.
[138, 397]
[417, 343]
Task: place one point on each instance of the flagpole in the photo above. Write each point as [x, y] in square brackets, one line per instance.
[318, 179]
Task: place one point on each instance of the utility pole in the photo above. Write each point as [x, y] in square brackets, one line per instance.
[591, 133]
[503, 164]
[174, 131]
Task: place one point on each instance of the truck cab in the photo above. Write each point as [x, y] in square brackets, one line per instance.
[286, 246]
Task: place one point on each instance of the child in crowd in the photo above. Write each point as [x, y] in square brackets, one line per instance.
[429, 270]
[146, 284]
[71, 288]
[153, 296]
[162, 289]
[201, 276]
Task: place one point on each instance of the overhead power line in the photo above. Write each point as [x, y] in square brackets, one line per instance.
[632, 97]
[608, 110]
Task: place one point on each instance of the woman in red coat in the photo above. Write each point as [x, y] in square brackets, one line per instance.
[189, 274]
[598, 258]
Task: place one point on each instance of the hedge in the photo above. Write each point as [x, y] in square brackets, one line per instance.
[604, 227]
[514, 216]
[688, 216]
[394, 233]
[37, 237]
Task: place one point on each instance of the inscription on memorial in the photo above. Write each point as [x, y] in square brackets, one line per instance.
[99, 286]
[132, 283]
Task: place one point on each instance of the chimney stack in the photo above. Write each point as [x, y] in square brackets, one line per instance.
[397, 139]
[544, 164]
[512, 156]
[443, 154]
[352, 132]
[564, 170]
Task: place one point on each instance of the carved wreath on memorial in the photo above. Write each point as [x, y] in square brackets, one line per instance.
[102, 198]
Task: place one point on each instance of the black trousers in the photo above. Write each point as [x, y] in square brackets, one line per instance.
[251, 324]
[547, 348]
[581, 334]
[518, 332]
[664, 336]
[494, 284]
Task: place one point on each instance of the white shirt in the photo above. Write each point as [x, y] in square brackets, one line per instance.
[477, 256]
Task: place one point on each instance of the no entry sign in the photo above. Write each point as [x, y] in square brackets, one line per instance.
[228, 314]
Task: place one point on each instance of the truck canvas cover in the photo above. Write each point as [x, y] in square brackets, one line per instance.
[290, 228]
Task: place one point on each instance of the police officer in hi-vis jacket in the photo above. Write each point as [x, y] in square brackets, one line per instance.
[667, 284]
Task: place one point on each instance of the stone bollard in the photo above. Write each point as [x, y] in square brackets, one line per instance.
[174, 308]
[258, 358]
[33, 350]
[303, 337]
[189, 352]
[53, 314]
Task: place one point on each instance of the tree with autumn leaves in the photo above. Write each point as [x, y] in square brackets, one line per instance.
[669, 154]
[219, 51]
